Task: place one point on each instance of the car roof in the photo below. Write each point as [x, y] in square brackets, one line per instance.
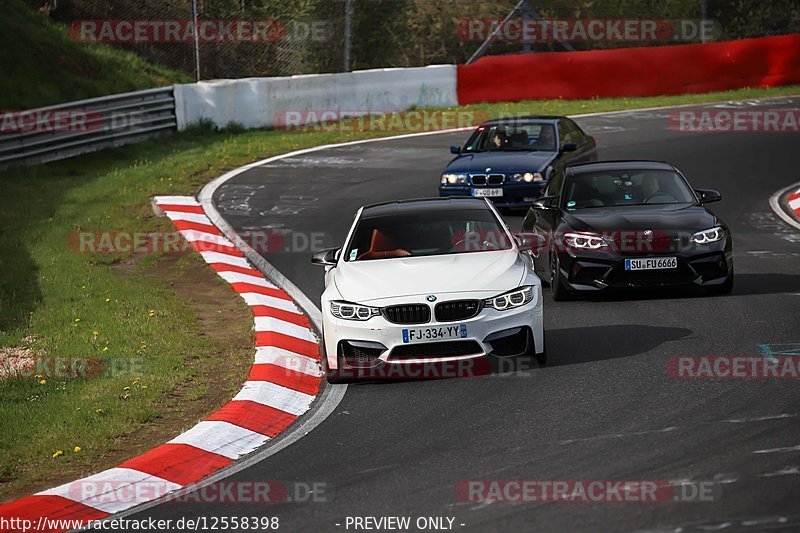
[548, 119]
[421, 205]
[599, 166]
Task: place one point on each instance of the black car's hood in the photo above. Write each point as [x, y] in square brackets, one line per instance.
[667, 218]
[501, 161]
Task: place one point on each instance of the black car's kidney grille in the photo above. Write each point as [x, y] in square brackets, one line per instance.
[478, 179]
[408, 314]
[496, 179]
[457, 310]
[433, 350]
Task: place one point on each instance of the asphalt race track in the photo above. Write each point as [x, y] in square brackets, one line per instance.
[605, 407]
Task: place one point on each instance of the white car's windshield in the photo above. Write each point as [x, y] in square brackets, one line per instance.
[426, 233]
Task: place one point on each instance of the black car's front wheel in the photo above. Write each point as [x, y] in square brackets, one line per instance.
[557, 286]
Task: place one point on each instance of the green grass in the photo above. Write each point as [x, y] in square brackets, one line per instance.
[42, 66]
[46, 286]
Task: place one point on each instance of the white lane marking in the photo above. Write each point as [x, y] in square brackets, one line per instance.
[620, 435]
[216, 257]
[293, 361]
[268, 323]
[238, 277]
[189, 217]
[760, 418]
[782, 449]
[176, 200]
[222, 438]
[193, 235]
[114, 490]
[253, 299]
[273, 395]
[788, 471]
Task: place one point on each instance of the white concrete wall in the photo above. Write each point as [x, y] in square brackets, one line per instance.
[256, 102]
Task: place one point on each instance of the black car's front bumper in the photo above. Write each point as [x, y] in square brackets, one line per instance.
[595, 271]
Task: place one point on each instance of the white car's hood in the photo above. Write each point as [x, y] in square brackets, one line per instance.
[492, 272]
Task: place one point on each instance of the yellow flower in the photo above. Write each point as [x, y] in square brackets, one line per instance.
[77, 449]
[108, 300]
[98, 411]
[59, 453]
[95, 333]
[77, 320]
[105, 348]
[126, 388]
[43, 382]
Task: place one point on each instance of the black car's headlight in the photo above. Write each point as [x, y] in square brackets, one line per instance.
[708, 235]
[589, 241]
[527, 177]
[351, 311]
[454, 179]
[512, 299]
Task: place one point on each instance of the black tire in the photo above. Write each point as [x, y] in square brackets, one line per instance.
[557, 288]
[724, 288]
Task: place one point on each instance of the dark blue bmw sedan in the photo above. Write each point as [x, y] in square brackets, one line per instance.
[510, 160]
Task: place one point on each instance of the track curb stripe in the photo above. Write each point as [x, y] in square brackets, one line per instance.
[283, 383]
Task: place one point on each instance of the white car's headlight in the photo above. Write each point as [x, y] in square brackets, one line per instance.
[589, 241]
[351, 311]
[512, 299]
[709, 235]
[527, 177]
[454, 179]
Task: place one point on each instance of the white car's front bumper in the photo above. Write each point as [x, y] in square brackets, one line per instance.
[390, 335]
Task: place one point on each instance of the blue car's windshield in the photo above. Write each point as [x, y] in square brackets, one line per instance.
[517, 137]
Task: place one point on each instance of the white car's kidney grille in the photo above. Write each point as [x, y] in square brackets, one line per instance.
[457, 310]
[408, 314]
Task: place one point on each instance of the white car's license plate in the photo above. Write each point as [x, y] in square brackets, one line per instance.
[490, 193]
[651, 263]
[435, 333]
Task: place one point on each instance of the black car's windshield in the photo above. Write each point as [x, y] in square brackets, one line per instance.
[517, 137]
[626, 187]
[426, 233]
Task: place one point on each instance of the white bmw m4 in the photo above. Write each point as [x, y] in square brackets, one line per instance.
[428, 281]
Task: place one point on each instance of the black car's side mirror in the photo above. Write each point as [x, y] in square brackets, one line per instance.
[569, 147]
[708, 195]
[545, 202]
[325, 257]
[455, 150]
[529, 242]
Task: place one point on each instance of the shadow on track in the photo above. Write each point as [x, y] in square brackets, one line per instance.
[595, 343]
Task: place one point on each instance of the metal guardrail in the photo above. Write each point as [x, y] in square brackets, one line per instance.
[67, 130]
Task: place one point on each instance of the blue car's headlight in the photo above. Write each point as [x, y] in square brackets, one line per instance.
[351, 311]
[511, 299]
[454, 179]
[527, 177]
[708, 235]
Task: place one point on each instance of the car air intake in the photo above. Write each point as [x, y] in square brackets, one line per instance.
[457, 310]
[435, 350]
[478, 179]
[408, 314]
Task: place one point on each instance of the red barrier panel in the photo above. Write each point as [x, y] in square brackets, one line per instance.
[648, 71]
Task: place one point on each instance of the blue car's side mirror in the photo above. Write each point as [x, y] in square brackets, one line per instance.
[455, 150]
[569, 147]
